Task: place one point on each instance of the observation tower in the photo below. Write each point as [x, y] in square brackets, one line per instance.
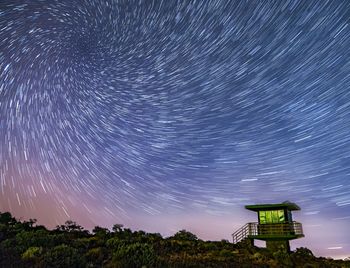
[275, 226]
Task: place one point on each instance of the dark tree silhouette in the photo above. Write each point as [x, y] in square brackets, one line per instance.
[25, 244]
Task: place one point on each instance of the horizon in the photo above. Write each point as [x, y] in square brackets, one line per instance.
[202, 233]
[176, 114]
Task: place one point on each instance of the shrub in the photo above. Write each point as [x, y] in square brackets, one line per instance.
[184, 236]
[135, 255]
[32, 253]
[95, 256]
[283, 258]
[114, 243]
[63, 256]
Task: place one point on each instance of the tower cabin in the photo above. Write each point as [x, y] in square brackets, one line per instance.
[275, 226]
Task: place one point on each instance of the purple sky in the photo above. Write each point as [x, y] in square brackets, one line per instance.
[164, 115]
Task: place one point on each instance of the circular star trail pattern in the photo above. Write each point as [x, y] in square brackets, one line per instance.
[165, 107]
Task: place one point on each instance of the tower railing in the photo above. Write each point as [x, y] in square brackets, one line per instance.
[253, 230]
[241, 233]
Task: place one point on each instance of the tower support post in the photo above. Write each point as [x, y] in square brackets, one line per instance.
[274, 245]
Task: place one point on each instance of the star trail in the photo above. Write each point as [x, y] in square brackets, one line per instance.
[164, 115]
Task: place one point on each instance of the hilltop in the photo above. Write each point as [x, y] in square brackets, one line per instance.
[26, 244]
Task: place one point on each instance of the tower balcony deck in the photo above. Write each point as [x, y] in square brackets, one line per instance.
[271, 231]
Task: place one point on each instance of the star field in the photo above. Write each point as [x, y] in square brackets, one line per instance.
[144, 111]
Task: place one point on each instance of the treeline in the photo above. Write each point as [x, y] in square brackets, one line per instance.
[26, 244]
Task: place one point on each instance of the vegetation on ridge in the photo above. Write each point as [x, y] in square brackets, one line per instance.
[25, 244]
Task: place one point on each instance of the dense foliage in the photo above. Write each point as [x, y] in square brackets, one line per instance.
[25, 244]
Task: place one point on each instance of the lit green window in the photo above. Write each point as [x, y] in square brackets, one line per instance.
[262, 217]
[281, 216]
[268, 216]
[274, 216]
[271, 216]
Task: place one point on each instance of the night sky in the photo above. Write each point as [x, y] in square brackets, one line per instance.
[169, 115]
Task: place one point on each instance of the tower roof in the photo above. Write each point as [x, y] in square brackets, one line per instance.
[288, 205]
